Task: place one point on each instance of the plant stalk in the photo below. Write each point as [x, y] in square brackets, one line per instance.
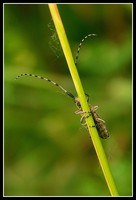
[85, 107]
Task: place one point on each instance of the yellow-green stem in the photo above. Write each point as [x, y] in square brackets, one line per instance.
[85, 107]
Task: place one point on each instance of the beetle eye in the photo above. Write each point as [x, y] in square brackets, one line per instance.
[78, 104]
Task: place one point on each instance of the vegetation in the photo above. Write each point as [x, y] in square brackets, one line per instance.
[46, 150]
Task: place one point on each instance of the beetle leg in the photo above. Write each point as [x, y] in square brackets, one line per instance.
[93, 108]
[99, 120]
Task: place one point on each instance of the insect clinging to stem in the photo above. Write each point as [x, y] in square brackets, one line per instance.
[99, 123]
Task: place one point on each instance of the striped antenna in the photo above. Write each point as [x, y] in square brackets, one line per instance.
[79, 46]
[46, 79]
[56, 84]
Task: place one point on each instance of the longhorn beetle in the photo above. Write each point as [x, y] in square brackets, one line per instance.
[99, 123]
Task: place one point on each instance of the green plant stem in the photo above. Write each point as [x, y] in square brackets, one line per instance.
[85, 107]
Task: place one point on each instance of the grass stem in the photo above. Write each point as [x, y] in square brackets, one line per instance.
[85, 107]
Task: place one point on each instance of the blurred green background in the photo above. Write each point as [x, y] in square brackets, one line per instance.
[46, 150]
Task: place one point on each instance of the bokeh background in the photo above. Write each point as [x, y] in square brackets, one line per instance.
[46, 150]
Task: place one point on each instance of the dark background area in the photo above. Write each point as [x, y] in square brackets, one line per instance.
[46, 149]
